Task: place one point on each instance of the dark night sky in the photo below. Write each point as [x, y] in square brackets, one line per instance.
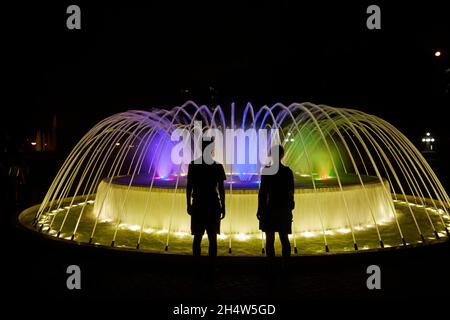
[131, 55]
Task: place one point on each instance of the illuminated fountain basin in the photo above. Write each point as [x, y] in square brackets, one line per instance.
[306, 242]
[360, 183]
[164, 209]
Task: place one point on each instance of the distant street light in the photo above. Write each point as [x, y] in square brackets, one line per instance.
[428, 140]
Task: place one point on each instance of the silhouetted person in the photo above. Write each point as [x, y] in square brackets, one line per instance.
[275, 205]
[205, 197]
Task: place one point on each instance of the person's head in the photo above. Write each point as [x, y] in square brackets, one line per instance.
[277, 151]
[208, 150]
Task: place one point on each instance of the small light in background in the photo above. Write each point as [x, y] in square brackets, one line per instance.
[428, 140]
[117, 144]
[33, 143]
[437, 54]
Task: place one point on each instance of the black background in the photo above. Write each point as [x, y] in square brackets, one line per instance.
[131, 55]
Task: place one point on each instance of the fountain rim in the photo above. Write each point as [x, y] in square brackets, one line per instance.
[300, 187]
[323, 255]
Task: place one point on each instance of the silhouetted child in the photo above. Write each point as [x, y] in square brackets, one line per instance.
[275, 205]
[205, 187]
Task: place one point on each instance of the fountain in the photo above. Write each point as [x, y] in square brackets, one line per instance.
[359, 183]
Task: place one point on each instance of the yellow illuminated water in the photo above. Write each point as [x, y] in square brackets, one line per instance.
[248, 244]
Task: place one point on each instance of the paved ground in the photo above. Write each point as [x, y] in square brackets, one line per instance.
[38, 269]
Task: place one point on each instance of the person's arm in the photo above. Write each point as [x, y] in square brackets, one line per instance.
[222, 199]
[262, 198]
[291, 189]
[189, 190]
[221, 182]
